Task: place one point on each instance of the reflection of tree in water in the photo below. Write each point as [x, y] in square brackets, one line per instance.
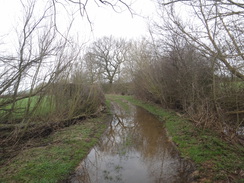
[82, 174]
[137, 133]
[118, 133]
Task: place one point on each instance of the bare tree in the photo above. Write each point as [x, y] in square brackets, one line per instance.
[92, 69]
[215, 28]
[72, 7]
[109, 54]
[40, 58]
[201, 48]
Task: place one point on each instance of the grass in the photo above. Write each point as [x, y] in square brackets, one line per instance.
[53, 158]
[215, 159]
[121, 103]
[44, 107]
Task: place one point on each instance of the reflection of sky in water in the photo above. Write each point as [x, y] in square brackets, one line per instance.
[134, 149]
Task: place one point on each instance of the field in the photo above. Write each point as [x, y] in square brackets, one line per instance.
[41, 106]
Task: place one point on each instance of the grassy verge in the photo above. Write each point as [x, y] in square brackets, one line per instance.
[216, 160]
[118, 100]
[53, 158]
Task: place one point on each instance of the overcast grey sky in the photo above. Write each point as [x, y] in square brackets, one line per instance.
[105, 21]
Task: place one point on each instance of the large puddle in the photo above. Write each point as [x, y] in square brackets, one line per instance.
[135, 149]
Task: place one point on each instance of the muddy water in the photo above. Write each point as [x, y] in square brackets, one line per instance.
[135, 149]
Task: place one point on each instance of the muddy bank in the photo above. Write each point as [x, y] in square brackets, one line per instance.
[13, 140]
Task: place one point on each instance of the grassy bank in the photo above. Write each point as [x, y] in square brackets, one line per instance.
[215, 159]
[53, 158]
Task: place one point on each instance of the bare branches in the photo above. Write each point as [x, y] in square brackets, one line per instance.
[237, 3]
[173, 1]
[40, 58]
[106, 56]
[216, 29]
[81, 6]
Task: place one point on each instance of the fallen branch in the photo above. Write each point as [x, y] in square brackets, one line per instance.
[235, 112]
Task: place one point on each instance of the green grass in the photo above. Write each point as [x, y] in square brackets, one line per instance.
[44, 107]
[233, 84]
[215, 158]
[109, 105]
[56, 156]
[51, 159]
[121, 103]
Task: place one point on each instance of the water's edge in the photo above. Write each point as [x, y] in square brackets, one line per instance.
[135, 148]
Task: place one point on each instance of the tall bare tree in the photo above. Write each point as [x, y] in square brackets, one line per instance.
[109, 54]
[92, 68]
[39, 60]
[215, 28]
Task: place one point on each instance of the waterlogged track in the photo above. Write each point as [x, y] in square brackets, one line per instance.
[134, 149]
